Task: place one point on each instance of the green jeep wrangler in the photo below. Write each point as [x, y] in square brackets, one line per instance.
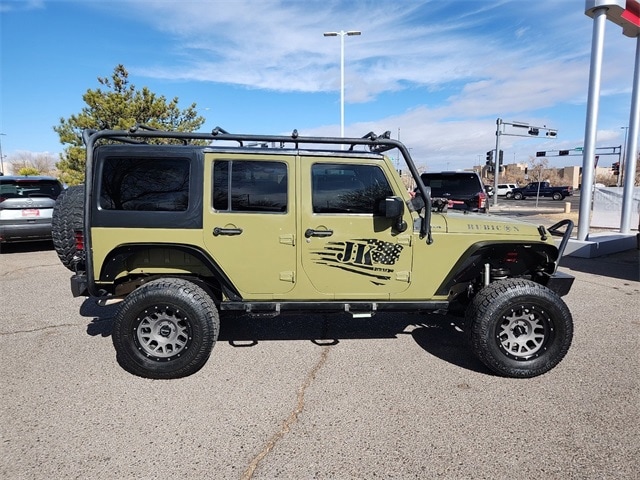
[183, 227]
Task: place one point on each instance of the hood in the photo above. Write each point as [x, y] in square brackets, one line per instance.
[479, 223]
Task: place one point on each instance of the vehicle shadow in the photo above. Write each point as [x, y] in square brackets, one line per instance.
[438, 335]
[622, 265]
[26, 247]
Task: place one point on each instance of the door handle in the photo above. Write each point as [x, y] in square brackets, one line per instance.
[310, 232]
[226, 231]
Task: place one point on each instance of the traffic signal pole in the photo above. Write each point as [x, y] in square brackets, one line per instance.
[532, 131]
[496, 163]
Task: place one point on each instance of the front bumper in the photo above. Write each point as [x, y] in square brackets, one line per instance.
[560, 283]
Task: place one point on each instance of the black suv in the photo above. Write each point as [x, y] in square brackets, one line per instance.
[462, 190]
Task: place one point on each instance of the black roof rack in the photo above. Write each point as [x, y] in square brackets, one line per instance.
[140, 133]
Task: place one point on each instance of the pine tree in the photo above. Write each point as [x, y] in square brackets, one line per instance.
[119, 106]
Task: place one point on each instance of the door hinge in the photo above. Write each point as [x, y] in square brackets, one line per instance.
[288, 277]
[403, 276]
[405, 240]
[288, 239]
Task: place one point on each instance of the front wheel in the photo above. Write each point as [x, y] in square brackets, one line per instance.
[165, 329]
[519, 328]
[518, 196]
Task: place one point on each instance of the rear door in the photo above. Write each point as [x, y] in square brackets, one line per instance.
[250, 221]
[348, 249]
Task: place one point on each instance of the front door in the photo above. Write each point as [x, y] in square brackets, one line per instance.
[249, 223]
[348, 248]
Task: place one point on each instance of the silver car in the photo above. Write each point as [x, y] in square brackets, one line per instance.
[26, 205]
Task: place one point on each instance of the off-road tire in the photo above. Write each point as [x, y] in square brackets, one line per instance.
[518, 196]
[165, 329]
[557, 196]
[519, 328]
[67, 218]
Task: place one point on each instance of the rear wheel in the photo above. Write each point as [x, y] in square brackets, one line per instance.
[519, 328]
[66, 220]
[165, 329]
[557, 196]
[509, 195]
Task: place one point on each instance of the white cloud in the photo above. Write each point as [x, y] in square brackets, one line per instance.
[516, 61]
[462, 66]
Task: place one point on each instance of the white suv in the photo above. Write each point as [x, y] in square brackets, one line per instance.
[26, 206]
[504, 189]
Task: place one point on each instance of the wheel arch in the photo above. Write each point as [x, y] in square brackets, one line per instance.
[513, 259]
[195, 262]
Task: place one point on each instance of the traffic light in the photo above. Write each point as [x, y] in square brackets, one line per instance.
[489, 157]
[541, 154]
[534, 131]
[563, 152]
[500, 157]
[615, 168]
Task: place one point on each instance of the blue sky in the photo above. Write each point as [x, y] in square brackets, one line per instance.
[438, 73]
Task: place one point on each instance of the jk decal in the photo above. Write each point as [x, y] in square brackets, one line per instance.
[369, 257]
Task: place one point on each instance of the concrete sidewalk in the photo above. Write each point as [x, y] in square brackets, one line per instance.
[601, 241]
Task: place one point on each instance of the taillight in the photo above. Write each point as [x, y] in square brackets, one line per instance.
[79, 241]
[482, 200]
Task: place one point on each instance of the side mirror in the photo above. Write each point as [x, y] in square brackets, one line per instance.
[393, 207]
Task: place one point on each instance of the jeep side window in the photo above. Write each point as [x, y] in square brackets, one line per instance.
[249, 186]
[147, 184]
[348, 188]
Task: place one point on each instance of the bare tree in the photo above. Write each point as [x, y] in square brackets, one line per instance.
[43, 163]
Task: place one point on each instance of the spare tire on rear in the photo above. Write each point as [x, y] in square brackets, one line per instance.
[67, 219]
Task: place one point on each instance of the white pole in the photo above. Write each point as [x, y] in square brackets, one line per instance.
[1, 157]
[342, 85]
[632, 148]
[593, 101]
[342, 34]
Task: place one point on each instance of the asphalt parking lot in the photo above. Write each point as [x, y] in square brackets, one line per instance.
[395, 396]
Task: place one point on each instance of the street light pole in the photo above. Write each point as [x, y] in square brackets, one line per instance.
[341, 34]
[1, 157]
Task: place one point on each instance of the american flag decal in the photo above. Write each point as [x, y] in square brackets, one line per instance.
[364, 256]
[384, 252]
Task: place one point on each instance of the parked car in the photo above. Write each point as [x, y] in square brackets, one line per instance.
[463, 190]
[505, 189]
[26, 205]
